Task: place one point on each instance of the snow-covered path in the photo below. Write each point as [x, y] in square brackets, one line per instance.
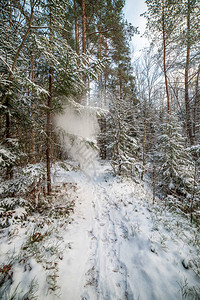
[119, 247]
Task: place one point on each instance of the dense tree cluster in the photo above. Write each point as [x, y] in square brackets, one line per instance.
[51, 52]
[78, 52]
[167, 78]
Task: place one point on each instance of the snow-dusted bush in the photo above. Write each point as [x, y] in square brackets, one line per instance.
[9, 153]
[26, 180]
[13, 210]
[7, 157]
[17, 195]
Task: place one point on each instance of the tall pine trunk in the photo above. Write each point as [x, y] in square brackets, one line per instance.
[187, 64]
[48, 132]
[164, 56]
[105, 73]
[48, 117]
[84, 42]
[144, 141]
[100, 57]
[195, 104]
[83, 27]
[76, 28]
[120, 85]
[32, 106]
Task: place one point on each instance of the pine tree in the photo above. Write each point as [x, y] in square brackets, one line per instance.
[178, 44]
[33, 52]
[176, 165]
[122, 137]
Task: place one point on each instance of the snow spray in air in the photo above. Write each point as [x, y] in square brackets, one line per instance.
[80, 126]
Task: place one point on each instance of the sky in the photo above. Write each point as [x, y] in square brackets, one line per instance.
[132, 11]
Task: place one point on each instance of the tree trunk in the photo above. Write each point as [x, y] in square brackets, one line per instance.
[100, 57]
[187, 104]
[48, 132]
[120, 85]
[144, 141]
[164, 57]
[10, 14]
[78, 37]
[76, 28]
[84, 42]
[195, 105]
[48, 118]
[154, 182]
[193, 193]
[102, 141]
[32, 106]
[105, 73]
[83, 27]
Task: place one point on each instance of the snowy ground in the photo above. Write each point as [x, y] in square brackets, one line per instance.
[115, 246]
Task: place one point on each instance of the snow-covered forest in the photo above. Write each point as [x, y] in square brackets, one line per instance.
[99, 151]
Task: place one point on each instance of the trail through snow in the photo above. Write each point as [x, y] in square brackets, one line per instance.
[119, 247]
[116, 245]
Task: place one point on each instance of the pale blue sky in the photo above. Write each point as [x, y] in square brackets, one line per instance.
[132, 11]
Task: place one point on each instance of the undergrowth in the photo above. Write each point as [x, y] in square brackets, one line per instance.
[34, 223]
